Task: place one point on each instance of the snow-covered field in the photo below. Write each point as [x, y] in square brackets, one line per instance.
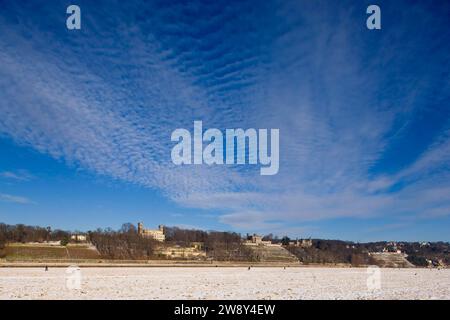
[223, 283]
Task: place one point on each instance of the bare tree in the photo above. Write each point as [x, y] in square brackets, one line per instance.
[2, 240]
[122, 244]
[128, 228]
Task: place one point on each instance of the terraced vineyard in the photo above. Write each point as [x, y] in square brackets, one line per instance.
[391, 260]
[272, 254]
[36, 252]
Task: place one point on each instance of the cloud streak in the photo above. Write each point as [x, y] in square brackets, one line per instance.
[14, 199]
[17, 176]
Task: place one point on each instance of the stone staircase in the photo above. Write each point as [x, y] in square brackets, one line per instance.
[273, 254]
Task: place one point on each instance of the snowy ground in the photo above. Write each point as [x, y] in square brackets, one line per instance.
[223, 283]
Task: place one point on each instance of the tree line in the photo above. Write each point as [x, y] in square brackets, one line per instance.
[218, 245]
[336, 251]
[331, 251]
[2, 245]
[22, 233]
[126, 243]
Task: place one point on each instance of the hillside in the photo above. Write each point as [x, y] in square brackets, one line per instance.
[18, 251]
[272, 254]
[391, 260]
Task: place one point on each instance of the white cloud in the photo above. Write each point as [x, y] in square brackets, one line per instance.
[20, 175]
[14, 199]
[111, 109]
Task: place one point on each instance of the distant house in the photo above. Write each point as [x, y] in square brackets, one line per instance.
[197, 245]
[303, 243]
[78, 237]
[424, 244]
[392, 247]
[176, 252]
[256, 240]
[157, 235]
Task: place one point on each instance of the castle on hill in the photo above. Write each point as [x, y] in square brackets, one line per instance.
[157, 234]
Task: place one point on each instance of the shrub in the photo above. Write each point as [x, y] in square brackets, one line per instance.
[2, 249]
[418, 261]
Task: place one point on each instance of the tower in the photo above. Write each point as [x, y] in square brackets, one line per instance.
[140, 228]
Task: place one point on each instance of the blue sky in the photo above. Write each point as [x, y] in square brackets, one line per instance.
[364, 116]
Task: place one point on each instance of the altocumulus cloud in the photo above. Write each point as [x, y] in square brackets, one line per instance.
[108, 97]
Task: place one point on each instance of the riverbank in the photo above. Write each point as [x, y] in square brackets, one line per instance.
[223, 283]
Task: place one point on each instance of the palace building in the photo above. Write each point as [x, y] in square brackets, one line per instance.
[157, 235]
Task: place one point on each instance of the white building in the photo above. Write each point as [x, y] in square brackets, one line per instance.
[157, 235]
[78, 237]
[256, 240]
